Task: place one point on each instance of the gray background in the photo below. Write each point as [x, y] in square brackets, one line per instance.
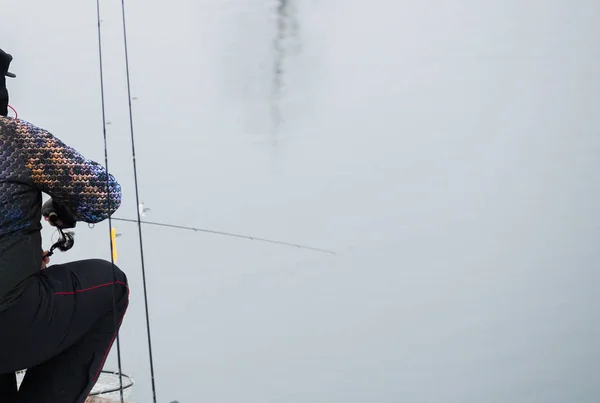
[447, 151]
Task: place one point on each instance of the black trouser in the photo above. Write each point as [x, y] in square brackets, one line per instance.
[61, 330]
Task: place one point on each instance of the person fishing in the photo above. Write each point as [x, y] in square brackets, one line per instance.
[58, 322]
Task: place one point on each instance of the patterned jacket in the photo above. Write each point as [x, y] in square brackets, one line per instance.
[33, 161]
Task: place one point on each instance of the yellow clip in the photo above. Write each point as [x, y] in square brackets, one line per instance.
[113, 240]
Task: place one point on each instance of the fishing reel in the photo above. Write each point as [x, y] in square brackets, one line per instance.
[66, 239]
[61, 219]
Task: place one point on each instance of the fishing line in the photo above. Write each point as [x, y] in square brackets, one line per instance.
[112, 261]
[137, 198]
[139, 220]
[231, 234]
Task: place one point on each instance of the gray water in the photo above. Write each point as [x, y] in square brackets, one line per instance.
[448, 151]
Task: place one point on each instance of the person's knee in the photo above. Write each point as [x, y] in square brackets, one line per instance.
[117, 274]
[121, 276]
[114, 273]
[122, 284]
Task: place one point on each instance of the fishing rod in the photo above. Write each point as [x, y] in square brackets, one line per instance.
[105, 140]
[230, 234]
[112, 246]
[137, 198]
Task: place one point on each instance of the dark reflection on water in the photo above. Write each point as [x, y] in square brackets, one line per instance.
[287, 29]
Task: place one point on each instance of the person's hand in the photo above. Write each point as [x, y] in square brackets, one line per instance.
[55, 223]
[58, 215]
[45, 259]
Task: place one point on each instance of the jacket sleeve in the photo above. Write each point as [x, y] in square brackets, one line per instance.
[83, 186]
